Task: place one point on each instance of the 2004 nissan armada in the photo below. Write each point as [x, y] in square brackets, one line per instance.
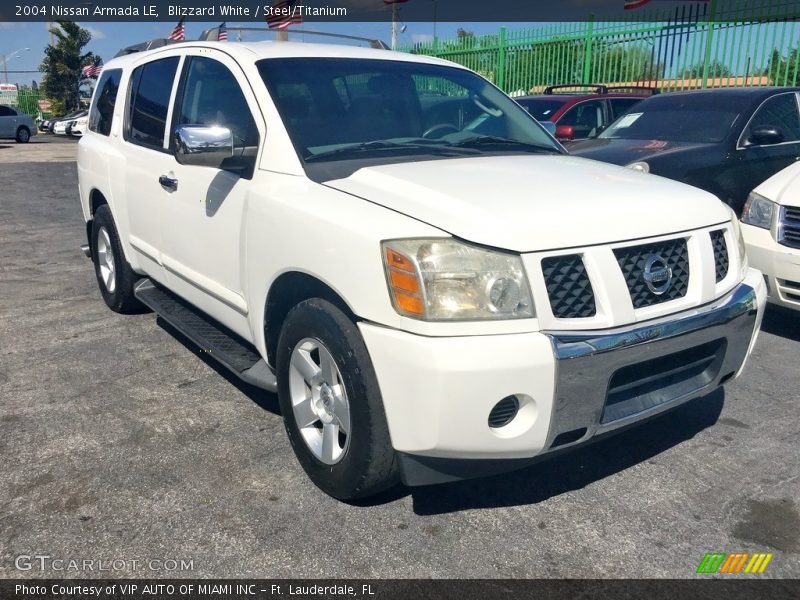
[433, 287]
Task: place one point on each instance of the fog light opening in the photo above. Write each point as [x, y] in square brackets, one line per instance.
[504, 412]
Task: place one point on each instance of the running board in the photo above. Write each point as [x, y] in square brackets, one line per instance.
[223, 345]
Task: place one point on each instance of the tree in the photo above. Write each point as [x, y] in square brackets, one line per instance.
[783, 70]
[62, 65]
[716, 68]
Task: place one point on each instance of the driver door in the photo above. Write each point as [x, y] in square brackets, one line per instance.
[758, 162]
[203, 216]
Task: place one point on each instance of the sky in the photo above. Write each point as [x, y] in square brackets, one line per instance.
[108, 38]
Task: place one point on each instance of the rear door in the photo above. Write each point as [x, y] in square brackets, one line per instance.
[146, 157]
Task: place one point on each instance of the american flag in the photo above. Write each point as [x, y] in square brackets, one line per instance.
[92, 70]
[179, 32]
[283, 14]
[222, 35]
[630, 4]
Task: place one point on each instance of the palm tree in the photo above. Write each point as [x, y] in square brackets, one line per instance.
[62, 65]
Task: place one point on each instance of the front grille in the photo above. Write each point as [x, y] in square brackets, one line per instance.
[720, 253]
[641, 386]
[632, 260]
[789, 233]
[568, 286]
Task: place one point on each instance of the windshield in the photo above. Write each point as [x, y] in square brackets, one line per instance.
[542, 109]
[676, 120]
[336, 109]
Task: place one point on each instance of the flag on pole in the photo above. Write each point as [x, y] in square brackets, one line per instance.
[283, 14]
[631, 4]
[222, 36]
[179, 32]
[92, 70]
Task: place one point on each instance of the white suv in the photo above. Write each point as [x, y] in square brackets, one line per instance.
[433, 287]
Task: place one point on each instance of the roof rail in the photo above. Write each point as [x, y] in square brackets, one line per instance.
[212, 34]
[148, 45]
[597, 88]
[641, 88]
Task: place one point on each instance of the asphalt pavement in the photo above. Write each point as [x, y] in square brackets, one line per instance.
[121, 441]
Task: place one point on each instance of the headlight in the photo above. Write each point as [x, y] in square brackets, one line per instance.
[742, 251]
[758, 211]
[444, 279]
[640, 166]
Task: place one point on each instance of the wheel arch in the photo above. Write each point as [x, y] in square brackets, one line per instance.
[96, 200]
[286, 292]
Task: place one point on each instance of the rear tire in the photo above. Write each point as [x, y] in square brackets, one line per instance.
[23, 135]
[331, 403]
[114, 275]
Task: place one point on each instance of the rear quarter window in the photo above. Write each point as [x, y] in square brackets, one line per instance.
[105, 99]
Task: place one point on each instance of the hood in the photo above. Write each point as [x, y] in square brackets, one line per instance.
[535, 202]
[623, 152]
[783, 187]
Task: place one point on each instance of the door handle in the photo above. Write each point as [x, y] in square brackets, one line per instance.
[168, 182]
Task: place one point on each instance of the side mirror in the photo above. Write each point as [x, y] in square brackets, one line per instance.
[565, 133]
[203, 146]
[765, 136]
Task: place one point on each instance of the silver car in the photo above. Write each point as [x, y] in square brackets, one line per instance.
[16, 125]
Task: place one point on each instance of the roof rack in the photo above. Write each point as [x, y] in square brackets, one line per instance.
[213, 35]
[599, 88]
[148, 45]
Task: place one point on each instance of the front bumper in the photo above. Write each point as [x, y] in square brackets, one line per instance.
[779, 264]
[438, 392]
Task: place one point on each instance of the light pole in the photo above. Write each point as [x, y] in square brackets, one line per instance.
[8, 57]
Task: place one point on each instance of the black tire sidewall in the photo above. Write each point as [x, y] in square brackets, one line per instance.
[122, 298]
[368, 465]
[20, 131]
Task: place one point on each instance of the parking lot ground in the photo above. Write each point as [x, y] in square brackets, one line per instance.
[41, 148]
[119, 440]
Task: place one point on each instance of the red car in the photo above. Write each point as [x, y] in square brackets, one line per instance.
[581, 115]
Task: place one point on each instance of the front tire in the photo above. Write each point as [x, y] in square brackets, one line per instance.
[23, 135]
[114, 275]
[331, 403]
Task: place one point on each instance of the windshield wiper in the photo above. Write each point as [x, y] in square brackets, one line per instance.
[433, 146]
[491, 140]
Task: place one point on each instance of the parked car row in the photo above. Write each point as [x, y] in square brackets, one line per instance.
[74, 124]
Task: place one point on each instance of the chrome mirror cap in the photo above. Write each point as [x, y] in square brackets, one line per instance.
[203, 146]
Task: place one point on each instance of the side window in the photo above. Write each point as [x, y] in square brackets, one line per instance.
[7, 112]
[779, 112]
[212, 96]
[585, 117]
[619, 106]
[104, 101]
[150, 92]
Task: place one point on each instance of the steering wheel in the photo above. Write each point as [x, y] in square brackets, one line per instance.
[443, 127]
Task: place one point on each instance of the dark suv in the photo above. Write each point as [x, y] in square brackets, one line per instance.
[583, 114]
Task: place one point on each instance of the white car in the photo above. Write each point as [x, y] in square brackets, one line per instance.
[78, 126]
[433, 287]
[771, 225]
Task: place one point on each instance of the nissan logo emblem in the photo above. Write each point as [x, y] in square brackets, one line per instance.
[657, 275]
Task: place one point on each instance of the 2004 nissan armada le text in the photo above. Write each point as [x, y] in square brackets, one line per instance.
[433, 287]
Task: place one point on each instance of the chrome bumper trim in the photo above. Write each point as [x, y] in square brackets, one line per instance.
[586, 361]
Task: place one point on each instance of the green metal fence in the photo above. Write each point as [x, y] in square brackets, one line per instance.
[692, 45]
